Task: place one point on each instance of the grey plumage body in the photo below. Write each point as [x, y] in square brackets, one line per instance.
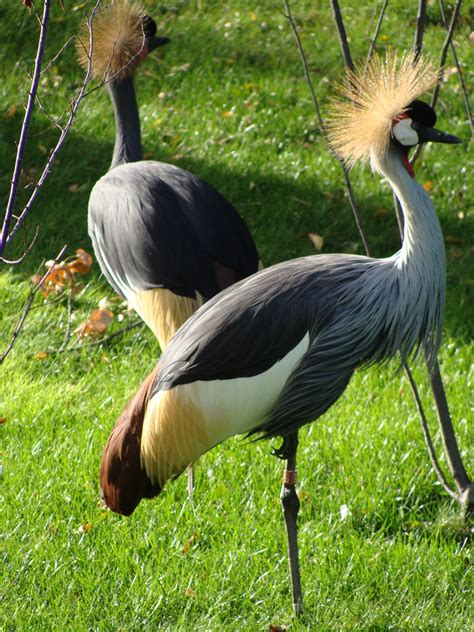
[165, 239]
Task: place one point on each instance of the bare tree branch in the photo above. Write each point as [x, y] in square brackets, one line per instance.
[444, 50]
[75, 103]
[15, 262]
[27, 306]
[101, 341]
[420, 29]
[354, 207]
[346, 53]
[427, 435]
[378, 26]
[458, 67]
[25, 126]
[442, 60]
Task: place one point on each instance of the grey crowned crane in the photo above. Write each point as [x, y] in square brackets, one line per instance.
[276, 350]
[165, 240]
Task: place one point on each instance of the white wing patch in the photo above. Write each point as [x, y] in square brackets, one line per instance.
[235, 406]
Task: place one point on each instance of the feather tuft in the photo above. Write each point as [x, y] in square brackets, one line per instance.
[361, 116]
[118, 40]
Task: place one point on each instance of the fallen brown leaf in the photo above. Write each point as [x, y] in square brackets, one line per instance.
[188, 544]
[318, 241]
[96, 325]
[82, 264]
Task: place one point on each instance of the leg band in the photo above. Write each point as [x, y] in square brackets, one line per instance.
[289, 477]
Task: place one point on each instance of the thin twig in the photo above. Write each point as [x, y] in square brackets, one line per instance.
[25, 127]
[444, 50]
[27, 305]
[420, 29]
[375, 36]
[102, 341]
[458, 67]
[426, 434]
[67, 335]
[50, 63]
[304, 61]
[442, 59]
[15, 262]
[346, 53]
[74, 108]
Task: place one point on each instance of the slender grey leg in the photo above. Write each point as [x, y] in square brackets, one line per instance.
[291, 504]
[190, 480]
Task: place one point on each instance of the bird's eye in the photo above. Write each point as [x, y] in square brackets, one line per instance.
[415, 125]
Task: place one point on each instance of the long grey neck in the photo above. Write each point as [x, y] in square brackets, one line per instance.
[128, 146]
[420, 266]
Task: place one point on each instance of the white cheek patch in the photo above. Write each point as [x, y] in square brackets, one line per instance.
[404, 133]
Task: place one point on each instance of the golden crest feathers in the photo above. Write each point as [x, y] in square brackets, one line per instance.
[118, 39]
[361, 116]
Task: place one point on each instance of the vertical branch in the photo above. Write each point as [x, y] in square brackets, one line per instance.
[350, 192]
[346, 53]
[27, 306]
[444, 50]
[25, 126]
[420, 28]
[458, 67]
[74, 105]
[378, 26]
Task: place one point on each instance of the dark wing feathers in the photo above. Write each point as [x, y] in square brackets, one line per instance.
[247, 328]
[154, 225]
[314, 386]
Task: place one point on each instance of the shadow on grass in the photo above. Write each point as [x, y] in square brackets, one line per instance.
[279, 211]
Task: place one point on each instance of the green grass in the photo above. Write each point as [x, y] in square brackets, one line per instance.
[400, 559]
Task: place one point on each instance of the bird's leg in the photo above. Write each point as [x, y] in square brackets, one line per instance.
[190, 480]
[291, 504]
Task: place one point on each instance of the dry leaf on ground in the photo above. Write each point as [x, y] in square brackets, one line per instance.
[96, 325]
[318, 241]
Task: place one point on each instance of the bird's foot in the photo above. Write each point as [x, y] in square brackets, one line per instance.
[287, 447]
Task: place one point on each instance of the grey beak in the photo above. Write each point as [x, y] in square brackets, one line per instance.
[157, 41]
[433, 135]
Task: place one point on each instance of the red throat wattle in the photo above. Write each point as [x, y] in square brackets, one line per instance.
[143, 53]
[408, 166]
[406, 163]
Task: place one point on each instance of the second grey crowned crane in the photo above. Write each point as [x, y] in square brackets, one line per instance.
[165, 240]
[277, 350]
